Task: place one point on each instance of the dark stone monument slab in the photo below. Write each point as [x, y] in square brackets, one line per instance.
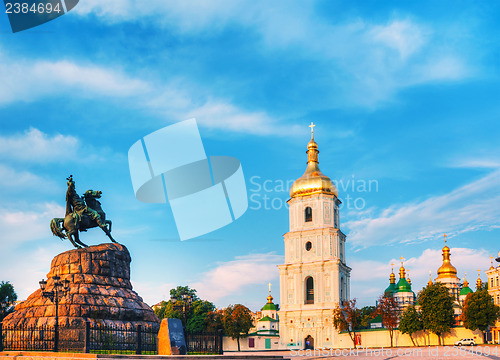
[171, 339]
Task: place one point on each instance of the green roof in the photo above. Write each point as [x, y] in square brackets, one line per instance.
[391, 289]
[465, 290]
[267, 318]
[269, 306]
[403, 286]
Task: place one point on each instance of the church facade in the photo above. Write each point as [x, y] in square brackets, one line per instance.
[315, 278]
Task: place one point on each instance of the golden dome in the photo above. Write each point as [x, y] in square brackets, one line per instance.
[313, 181]
[479, 283]
[447, 270]
[430, 279]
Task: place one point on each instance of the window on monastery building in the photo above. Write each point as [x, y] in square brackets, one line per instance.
[491, 283]
[251, 342]
[309, 290]
[308, 245]
[497, 281]
[308, 214]
[342, 288]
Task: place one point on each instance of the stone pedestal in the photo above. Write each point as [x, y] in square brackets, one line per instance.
[99, 291]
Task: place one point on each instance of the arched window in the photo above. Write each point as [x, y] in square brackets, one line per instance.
[309, 290]
[341, 288]
[308, 214]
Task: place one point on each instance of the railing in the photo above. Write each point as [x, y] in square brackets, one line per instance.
[204, 342]
[93, 337]
[101, 338]
[27, 338]
[123, 339]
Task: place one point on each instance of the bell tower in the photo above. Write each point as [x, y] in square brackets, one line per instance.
[314, 279]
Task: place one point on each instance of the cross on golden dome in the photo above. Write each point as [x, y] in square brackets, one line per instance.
[312, 129]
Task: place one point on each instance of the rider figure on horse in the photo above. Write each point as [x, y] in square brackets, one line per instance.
[74, 203]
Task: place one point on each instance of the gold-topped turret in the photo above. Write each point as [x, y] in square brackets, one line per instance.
[269, 298]
[447, 270]
[392, 278]
[402, 274]
[430, 278]
[491, 266]
[479, 283]
[313, 181]
[408, 276]
[466, 283]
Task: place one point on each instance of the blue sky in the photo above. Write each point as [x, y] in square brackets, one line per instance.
[404, 94]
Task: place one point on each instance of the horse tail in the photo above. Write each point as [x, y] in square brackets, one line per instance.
[56, 228]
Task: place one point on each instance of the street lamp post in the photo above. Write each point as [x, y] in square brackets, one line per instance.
[187, 300]
[59, 289]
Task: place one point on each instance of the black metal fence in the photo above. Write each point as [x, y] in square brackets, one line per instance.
[101, 338]
[204, 342]
[121, 339]
[27, 338]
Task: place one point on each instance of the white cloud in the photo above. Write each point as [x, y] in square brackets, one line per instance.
[369, 62]
[471, 207]
[25, 273]
[152, 293]
[23, 225]
[28, 80]
[13, 179]
[403, 36]
[35, 146]
[232, 277]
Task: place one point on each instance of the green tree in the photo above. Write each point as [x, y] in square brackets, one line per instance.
[436, 306]
[410, 322]
[237, 322]
[346, 318]
[7, 299]
[180, 291]
[215, 320]
[195, 313]
[479, 311]
[388, 309]
[365, 316]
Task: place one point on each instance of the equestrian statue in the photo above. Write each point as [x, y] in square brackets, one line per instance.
[81, 214]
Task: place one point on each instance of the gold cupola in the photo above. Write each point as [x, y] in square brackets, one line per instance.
[430, 278]
[313, 181]
[447, 270]
[479, 283]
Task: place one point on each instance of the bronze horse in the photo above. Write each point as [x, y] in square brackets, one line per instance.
[80, 216]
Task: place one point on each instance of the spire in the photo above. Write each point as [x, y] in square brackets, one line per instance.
[402, 269]
[430, 278]
[313, 181]
[466, 283]
[392, 278]
[491, 267]
[447, 270]
[479, 283]
[269, 298]
[312, 147]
